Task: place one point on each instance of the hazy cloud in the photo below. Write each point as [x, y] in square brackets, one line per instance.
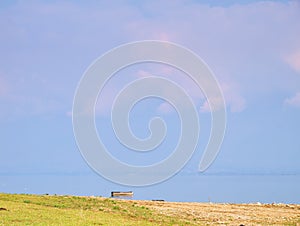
[242, 43]
[294, 60]
[165, 108]
[293, 101]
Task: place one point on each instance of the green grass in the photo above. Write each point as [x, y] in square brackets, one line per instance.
[23, 209]
[72, 210]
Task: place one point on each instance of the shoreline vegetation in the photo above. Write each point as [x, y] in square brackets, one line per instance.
[26, 209]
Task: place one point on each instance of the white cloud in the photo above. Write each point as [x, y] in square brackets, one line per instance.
[294, 60]
[242, 43]
[216, 103]
[293, 101]
[233, 99]
[143, 74]
[165, 108]
[105, 100]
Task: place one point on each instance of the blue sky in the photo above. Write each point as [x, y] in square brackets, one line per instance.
[252, 47]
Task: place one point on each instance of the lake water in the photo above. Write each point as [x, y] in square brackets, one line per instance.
[189, 188]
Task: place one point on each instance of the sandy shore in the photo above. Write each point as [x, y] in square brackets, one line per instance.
[228, 214]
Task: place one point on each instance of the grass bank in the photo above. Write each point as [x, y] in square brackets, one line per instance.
[24, 209]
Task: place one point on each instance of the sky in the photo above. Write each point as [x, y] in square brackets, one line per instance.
[252, 47]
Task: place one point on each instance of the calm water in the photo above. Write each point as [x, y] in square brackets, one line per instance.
[194, 188]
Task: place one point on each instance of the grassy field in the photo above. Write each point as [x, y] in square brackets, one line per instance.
[73, 210]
